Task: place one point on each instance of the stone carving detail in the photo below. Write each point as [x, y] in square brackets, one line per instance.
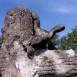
[24, 26]
[25, 48]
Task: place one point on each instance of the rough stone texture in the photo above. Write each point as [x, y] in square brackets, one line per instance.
[18, 25]
[24, 51]
[24, 26]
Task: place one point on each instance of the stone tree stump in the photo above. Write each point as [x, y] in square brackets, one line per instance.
[26, 52]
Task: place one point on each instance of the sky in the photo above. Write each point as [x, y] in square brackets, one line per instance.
[50, 12]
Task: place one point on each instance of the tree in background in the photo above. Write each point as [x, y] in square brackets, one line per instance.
[54, 42]
[69, 41]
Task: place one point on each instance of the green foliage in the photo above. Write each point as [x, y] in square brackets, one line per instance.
[54, 41]
[69, 41]
[66, 42]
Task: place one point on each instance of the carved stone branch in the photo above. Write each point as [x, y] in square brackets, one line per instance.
[24, 51]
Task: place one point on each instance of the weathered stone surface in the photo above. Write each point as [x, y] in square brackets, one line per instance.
[24, 26]
[18, 25]
[45, 63]
[24, 51]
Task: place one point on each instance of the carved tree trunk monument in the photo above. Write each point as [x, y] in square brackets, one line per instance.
[26, 52]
